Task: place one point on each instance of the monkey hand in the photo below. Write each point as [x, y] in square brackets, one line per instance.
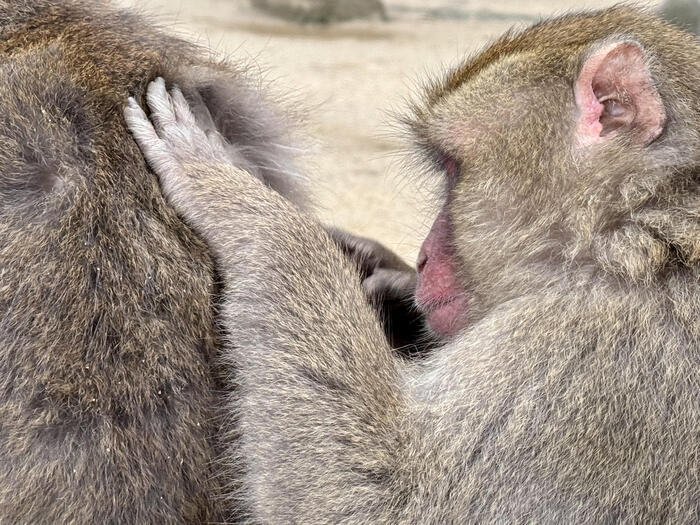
[178, 150]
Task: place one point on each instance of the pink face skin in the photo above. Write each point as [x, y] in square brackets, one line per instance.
[439, 294]
[614, 92]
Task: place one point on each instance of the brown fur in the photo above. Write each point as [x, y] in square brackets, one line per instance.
[572, 394]
[109, 397]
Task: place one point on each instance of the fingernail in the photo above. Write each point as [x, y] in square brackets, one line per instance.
[132, 101]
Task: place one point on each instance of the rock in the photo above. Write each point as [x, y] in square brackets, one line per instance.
[685, 13]
[321, 11]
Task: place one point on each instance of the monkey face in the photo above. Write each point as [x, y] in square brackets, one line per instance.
[479, 139]
[549, 159]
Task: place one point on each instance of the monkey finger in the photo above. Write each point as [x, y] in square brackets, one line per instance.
[183, 113]
[138, 123]
[217, 141]
[391, 284]
[161, 105]
[152, 147]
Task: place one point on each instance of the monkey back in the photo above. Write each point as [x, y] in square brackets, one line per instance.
[108, 346]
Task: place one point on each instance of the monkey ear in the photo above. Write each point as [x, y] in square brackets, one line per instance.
[615, 93]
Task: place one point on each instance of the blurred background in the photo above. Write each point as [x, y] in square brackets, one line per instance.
[347, 65]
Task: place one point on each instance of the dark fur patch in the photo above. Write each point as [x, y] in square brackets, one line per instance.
[46, 138]
[324, 382]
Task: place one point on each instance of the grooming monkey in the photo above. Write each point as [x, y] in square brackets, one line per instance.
[564, 269]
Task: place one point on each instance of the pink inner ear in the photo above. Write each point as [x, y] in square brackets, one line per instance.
[589, 126]
[614, 92]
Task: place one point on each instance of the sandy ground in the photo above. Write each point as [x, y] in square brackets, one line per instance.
[349, 79]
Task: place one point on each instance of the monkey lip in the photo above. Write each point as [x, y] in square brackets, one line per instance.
[445, 315]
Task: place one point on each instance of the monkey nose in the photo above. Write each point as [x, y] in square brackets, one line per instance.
[422, 260]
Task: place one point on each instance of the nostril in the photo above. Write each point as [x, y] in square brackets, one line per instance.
[422, 261]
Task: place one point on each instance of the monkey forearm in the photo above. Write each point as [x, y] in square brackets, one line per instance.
[310, 355]
[319, 404]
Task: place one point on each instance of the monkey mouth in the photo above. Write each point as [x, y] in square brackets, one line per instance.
[446, 315]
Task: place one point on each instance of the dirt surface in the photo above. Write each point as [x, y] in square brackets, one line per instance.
[347, 80]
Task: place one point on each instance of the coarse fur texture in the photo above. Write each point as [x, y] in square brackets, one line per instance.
[389, 285]
[571, 394]
[109, 383]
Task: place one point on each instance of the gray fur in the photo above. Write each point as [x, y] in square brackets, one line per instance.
[572, 396]
[110, 390]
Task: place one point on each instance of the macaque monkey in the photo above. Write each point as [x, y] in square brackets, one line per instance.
[563, 272]
[111, 391]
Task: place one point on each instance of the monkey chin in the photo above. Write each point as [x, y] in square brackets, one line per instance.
[446, 316]
[440, 298]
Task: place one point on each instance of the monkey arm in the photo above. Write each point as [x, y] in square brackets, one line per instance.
[320, 405]
[312, 358]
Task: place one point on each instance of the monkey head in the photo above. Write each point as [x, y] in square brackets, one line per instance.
[559, 148]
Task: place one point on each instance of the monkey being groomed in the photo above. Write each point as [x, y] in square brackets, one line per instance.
[564, 270]
[109, 388]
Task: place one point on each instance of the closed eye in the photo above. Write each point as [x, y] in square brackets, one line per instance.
[441, 163]
[451, 168]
